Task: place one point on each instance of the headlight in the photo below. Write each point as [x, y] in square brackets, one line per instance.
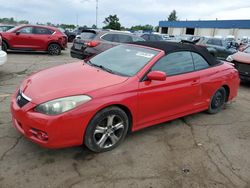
[61, 105]
[229, 58]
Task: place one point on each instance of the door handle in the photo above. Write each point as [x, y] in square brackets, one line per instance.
[195, 82]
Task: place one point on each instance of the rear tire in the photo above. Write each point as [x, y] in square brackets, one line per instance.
[218, 101]
[54, 49]
[4, 46]
[106, 130]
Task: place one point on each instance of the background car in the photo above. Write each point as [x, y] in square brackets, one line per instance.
[218, 47]
[241, 60]
[4, 28]
[72, 34]
[126, 88]
[152, 37]
[34, 38]
[3, 55]
[92, 42]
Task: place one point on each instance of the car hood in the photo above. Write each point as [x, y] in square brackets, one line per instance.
[241, 57]
[67, 80]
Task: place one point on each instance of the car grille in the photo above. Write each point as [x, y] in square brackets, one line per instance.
[21, 100]
[243, 68]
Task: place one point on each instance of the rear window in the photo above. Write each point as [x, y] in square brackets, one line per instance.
[87, 35]
[216, 42]
[107, 37]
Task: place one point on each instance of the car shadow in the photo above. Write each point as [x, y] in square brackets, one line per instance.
[27, 52]
[245, 84]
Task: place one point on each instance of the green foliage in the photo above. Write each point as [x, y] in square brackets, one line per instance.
[172, 16]
[12, 21]
[94, 26]
[142, 27]
[67, 26]
[112, 22]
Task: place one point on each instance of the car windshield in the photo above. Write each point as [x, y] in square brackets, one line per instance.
[125, 60]
[247, 50]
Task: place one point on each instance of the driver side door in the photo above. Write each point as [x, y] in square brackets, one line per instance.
[23, 38]
[179, 93]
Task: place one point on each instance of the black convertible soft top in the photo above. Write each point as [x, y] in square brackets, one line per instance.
[169, 47]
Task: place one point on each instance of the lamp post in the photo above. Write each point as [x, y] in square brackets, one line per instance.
[96, 16]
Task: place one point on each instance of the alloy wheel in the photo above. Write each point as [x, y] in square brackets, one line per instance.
[109, 131]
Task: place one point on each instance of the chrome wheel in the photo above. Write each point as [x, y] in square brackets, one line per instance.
[109, 131]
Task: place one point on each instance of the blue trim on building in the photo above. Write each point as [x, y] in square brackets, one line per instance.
[222, 24]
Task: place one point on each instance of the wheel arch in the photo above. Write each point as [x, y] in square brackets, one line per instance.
[121, 106]
[6, 42]
[54, 42]
[227, 88]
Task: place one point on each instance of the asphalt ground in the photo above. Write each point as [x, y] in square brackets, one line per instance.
[199, 150]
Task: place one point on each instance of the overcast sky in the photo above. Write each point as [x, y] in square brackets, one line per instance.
[130, 12]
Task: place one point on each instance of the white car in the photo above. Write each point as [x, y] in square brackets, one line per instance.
[3, 55]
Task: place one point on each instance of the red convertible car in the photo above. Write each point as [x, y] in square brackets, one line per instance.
[97, 102]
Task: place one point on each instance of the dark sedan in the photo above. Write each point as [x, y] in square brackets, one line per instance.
[92, 42]
[219, 48]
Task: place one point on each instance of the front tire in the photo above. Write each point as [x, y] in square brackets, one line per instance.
[54, 49]
[218, 101]
[106, 130]
[4, 46]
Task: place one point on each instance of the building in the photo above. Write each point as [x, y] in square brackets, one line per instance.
[236, 28]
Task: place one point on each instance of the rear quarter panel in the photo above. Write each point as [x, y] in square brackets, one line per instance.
[215, 77]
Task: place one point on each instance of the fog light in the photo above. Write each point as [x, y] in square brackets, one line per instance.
[41, 135]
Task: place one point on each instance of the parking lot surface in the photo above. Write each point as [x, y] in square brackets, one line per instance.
[199, 150]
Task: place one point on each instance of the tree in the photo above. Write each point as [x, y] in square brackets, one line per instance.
[112, 22]
[142, 27]
[94, 26]
[172, 16]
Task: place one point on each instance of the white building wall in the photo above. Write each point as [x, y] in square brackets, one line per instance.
[239, 33]
[204, 32]
[223, 32]
[177, 31]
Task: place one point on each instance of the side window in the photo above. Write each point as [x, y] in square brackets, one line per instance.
[152, 38]
[135, 39]
[175, 63]
[124, 38]
[199, 62]
[26, 30]
[108, 37]
[216, 42]
[43, 31]
[146, 37]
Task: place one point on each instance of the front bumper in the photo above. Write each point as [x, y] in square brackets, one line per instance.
[3, 57]
[63, 130]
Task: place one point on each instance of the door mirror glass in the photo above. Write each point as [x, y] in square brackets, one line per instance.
[157, 75]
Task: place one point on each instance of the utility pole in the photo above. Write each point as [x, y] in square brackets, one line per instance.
[96, 16]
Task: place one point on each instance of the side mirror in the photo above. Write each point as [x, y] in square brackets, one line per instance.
[18, 33]
[157, 75]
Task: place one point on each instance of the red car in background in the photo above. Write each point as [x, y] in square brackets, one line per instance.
[34, 38]
[126, 88]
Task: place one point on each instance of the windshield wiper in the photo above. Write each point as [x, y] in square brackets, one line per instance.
[100, 66]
